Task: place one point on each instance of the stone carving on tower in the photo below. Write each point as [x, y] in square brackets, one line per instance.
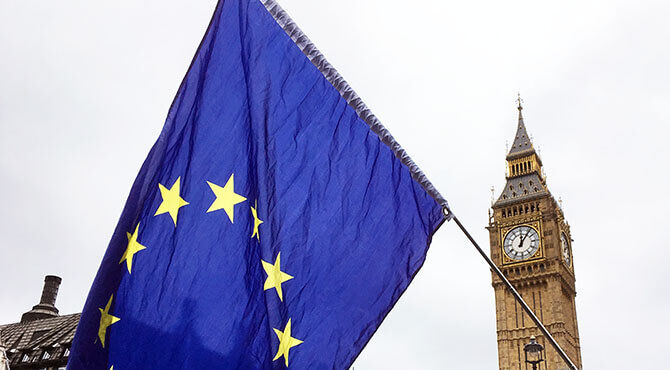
[530, 242]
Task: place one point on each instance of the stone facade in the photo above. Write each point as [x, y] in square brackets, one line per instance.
[541, 269]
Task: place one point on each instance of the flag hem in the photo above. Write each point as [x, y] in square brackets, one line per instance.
[330, 73]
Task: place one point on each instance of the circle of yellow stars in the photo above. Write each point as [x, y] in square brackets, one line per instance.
[225, 199]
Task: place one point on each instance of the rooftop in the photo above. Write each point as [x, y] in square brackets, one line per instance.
[42, 338]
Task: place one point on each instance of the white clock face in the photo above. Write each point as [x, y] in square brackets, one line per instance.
[521, 243]
[565, 248]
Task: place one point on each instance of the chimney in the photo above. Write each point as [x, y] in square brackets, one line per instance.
[47, 306]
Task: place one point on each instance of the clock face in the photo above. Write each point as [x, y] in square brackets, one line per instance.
[521, 243]
[565, 248]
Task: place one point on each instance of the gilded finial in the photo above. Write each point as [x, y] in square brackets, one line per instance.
[519, 101]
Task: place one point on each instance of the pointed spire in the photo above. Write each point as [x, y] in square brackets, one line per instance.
[521, 142]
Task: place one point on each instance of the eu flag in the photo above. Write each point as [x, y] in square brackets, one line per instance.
[274, 223]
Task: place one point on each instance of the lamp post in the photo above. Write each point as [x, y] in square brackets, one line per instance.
[533, 352]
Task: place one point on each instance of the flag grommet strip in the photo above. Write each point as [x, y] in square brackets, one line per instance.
[354, 101]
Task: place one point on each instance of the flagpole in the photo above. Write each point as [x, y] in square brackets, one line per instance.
[516, 294]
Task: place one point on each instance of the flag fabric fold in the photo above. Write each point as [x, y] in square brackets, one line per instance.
[274, 223]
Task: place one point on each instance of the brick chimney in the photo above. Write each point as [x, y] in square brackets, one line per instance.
[47, 306]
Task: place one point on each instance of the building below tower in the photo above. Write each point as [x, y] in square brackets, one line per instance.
[42, 339]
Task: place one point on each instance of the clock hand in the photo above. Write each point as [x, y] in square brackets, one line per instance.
[522, 239]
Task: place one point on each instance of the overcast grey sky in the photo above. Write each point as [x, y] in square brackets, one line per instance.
[85, 87]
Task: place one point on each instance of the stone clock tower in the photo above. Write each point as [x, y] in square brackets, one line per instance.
[531, 244]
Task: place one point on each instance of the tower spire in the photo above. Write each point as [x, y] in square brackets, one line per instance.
[522, 144]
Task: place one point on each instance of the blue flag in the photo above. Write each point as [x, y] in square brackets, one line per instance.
[274, 224]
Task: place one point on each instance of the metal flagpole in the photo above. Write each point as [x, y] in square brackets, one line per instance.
[516, 294]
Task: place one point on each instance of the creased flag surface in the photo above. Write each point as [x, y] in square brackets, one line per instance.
[274, 223]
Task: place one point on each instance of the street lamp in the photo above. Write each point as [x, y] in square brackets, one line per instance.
[533, 352]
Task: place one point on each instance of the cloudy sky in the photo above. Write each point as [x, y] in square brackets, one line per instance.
[85, 87]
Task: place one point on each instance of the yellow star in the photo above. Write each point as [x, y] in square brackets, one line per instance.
[106, 320]
[171, 201]
[226, 198]
[275, 276]
[257, 222]
[133, 247]
[286, 342]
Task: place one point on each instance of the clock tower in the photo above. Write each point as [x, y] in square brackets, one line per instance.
[530, 242]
